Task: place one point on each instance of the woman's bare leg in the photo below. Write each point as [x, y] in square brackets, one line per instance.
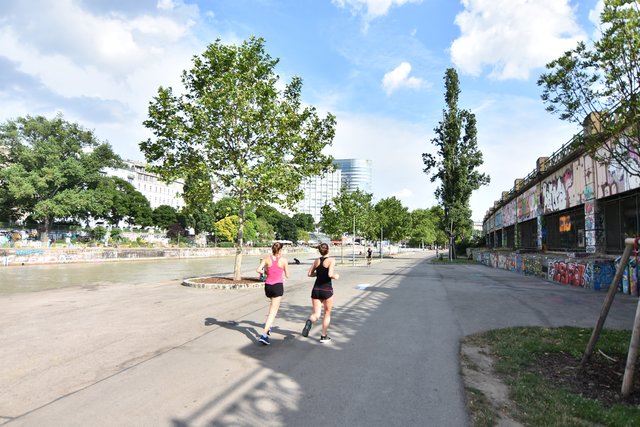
[273, 310]
[326, 318]
[317, 308]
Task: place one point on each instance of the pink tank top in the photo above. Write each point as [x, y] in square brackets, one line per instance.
[275, 274]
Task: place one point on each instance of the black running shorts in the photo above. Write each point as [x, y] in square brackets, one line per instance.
[275, 290]
[321, 293]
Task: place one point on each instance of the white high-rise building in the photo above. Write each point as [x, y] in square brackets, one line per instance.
[318, 191]
[150, 185]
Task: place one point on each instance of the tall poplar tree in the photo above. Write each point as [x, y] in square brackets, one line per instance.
[455, 163]
[234, 129]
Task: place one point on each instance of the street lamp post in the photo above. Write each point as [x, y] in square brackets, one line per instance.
[353, 242]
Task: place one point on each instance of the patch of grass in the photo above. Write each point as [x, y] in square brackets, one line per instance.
[540, 402]
[482, 413]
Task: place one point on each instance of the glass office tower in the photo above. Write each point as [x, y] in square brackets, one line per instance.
[356, 174]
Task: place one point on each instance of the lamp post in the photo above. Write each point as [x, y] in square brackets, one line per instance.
[353, 242]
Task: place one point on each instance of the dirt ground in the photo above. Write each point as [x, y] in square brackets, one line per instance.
[600, 380]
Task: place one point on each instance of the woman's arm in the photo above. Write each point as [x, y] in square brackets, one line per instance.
[260, 268]
[285, 267]
[312, 269]
[332, 274]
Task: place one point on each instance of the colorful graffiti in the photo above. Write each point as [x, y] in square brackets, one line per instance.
[566, 273]
[527, 204]
[611, 177]
[509, 213]
[586, 273]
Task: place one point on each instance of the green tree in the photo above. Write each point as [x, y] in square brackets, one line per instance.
[225, 207]
[122, 202]
[304, 221]
[394, 218]
[456, 162]
[423, 228]
[199, 212]
[269, 214]
[52, 170]
[600, 87]
[265, 232]
[164, 215]
[347, 208]
[238, 130]
[286, 229]
[227, 228]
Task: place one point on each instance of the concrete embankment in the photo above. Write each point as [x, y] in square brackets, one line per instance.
[37, 256]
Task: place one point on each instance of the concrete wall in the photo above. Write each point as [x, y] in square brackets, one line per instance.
[583, 272]
[32, 256]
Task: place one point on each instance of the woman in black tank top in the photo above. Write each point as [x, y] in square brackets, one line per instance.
[322, 292]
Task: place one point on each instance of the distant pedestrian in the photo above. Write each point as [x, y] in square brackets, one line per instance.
[322, 293]
[277, 269]
[369, 254]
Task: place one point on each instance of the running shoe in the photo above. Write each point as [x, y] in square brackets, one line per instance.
[307, 328]
[325, 338]
[264, 340]
[269, 332]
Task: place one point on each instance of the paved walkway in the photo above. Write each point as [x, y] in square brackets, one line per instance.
[160, 354]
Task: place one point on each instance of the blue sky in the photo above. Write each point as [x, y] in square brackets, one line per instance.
[378, 65]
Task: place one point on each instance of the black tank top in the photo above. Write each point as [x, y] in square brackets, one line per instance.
[322, 275]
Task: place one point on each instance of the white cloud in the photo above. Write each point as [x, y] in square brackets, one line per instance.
[403, 194]
[166, 4]
[99, 69]
[371, 9]
[512, 37]
[399, 78]
[395, 148]
[594, 17]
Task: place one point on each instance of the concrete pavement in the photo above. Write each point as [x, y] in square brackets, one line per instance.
[160, 354]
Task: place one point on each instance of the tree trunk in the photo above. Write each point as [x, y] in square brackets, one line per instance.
[237, 269]
[44, 238]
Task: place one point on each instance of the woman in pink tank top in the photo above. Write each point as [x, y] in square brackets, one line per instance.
[277, 268]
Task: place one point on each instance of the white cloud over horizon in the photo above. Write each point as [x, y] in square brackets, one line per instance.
[512, 37]
[99, 63]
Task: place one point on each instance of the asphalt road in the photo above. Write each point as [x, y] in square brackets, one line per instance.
[160, 354]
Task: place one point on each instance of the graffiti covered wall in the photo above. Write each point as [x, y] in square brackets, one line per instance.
[509, 214]
[564, 188]
[527, 204]
[611, 178]
[593, 274]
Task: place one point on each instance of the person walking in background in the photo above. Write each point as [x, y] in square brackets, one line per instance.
[322, 292]
[277, 268]
[369, 254]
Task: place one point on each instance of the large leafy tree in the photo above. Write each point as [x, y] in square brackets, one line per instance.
[237, 130]
[122, 202]
[51, 170]
[164, 215]
[456, 162]
[423, 227]
[394, 218]
[600, 86]
[347, 208]
[304, 221]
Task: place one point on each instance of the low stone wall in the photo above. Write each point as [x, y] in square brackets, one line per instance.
[32, 256]
[589, 272]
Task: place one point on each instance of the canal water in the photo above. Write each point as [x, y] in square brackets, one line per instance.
[42, 277]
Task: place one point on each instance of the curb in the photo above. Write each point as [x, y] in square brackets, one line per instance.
[226, 286]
